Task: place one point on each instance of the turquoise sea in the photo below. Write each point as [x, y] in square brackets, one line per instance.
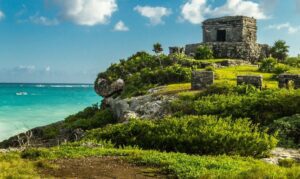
[24, 106]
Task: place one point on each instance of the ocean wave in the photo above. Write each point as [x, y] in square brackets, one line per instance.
[40, 86]
[71, 86]
[22, 93]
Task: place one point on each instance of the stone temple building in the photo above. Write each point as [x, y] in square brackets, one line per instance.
[230, 37]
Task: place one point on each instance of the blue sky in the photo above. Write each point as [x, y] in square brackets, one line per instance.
[73, 40]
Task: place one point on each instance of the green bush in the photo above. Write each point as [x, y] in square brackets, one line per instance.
[268, 65]
[261, 107]
[293, 61]
[34, 153]
[139, 83]
[203, 52]
[99, 119]
[86, 113]
[289, 130]
[287, 162]
[143, 71]
[190, 134]
[280, 68]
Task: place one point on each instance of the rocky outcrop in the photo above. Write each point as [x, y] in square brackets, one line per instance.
[282, 153]
[145, 107]
[106, 89]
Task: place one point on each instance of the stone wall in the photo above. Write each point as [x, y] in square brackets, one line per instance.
[233, 50]
[202, 79]
[254, 80]
[237, 29]
[191, 49]
[284, 79]
[176, 50]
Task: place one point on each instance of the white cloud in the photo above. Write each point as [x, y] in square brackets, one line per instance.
[87, 12]
[240, 7]
[154, 14]
[48, 69]
[2, 16]
[120, 26]
[43, 20]
[195, 11]
[287, 26]
[25, 68]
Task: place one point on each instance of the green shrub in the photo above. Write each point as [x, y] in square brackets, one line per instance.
[99, 119]
[139, 83]
[289, 130]
[203, 52]
[293, 61]
[190, 134]
[34, 153]
[143, 71]
[50, 131]
[86, 113]
[280, 68]
[287, 162]
[261, 107]
[268, 65]
[210, 68]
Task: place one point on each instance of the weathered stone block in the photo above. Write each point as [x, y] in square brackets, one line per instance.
[176, 50]
[284, 79]
[255, 80]
[202, 79]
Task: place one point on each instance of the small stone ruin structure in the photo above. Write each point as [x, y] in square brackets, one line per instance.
[202, 79]
[231, 37]
[284, 80]
[255, 80]
[174, 50]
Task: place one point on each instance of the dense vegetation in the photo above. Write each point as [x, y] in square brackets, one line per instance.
[143, 71]
[190, 134]
[260, 106]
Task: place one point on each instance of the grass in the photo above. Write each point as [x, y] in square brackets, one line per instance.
[178, 164]
[230, 74]
[174, 88]
[213, 60]
[13, 166]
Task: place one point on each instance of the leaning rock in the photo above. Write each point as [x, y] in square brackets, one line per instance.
[144, 107]
[105, 89]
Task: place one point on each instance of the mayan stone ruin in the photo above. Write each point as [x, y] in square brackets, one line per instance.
[231, 37]
[255, 80]
[285, 79]
[202, 79]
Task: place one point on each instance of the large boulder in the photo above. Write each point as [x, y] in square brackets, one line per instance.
[144, 107]
[106, 89]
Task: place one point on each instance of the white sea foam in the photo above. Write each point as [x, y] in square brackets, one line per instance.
[22, 93]
[40, 86]
[70, 86]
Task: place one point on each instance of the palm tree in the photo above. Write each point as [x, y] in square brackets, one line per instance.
[157, 48]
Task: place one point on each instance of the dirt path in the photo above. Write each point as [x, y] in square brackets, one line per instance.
[102, 168]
